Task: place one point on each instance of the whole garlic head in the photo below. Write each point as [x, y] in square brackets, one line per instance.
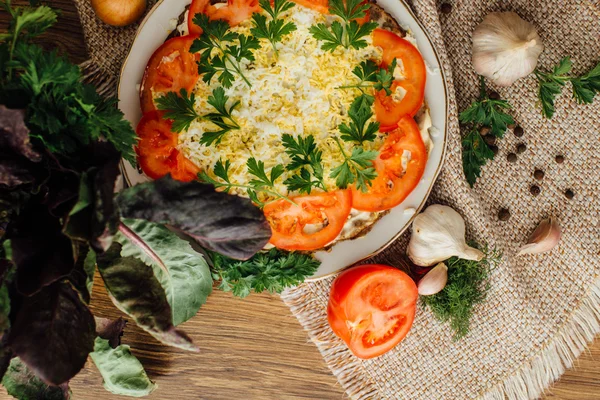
[438, 233]
[505, 48]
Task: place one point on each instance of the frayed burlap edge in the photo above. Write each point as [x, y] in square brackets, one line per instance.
[529, 382]
[106, 84]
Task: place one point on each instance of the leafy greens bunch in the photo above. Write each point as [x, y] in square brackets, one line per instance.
[483, 113]
[60, 221]
[585, 87]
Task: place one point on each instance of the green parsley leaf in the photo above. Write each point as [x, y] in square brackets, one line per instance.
[257, 168]
[551, 85]
[276, 28]
[371, 76]
[304, 153]
[358, 131]
[351, 33]
[587, 86]
[270, 271]
[475, 153]
[179, 108]
[357, 167]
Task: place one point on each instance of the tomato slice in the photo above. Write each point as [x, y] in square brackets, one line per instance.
[315, 221]
[157, 150]
[372, 308]
[393, 183]
[387, 110]
[171, 68]
[234, 12]
[321, 6]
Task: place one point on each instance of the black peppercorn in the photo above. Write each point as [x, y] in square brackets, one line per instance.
[512, 157]
[446, 8]
[521, 147]
[484, 130]
[495, 95]
[490, 140]
[569, 194]
[503, 214]
[560, 159]
[535, 190]
[518, 131]
[494, 149]
[538, 174]
[510, 126]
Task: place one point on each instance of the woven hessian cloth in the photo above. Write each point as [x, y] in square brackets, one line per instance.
[541, 310]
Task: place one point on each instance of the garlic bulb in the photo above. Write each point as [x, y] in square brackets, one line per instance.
[505, 48]
[435, 280]
[544, 238]
[439, 233]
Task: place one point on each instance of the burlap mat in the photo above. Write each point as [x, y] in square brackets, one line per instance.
[542, 310]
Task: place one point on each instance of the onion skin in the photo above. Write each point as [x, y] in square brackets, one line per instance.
[119, 12]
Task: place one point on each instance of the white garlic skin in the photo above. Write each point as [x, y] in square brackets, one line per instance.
[438, 233]
[544, 238]
[434, 281]
[505, 48]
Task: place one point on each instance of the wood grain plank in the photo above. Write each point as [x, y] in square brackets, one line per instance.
[251, 348]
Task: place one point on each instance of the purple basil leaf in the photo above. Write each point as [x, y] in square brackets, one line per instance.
[53, 333]
[14, 171]
[223, 223]
[21, 383]
[134, 289]
[40, 251]
[14, 135]
[111, 330]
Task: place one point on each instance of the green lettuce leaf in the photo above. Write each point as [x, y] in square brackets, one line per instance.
[182, 272]
[229, 225]
[21, 383]
[134, 289]
[122, 373]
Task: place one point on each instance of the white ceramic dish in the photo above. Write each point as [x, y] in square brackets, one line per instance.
[158, 24]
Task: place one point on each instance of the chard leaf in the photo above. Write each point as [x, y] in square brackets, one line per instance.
[53, 333]
[227, 224]
[40, 251]
[21, 383]
[182, 272]
[122, 372]
[134, 289]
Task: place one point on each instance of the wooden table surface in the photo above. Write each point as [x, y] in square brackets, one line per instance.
[251, 348]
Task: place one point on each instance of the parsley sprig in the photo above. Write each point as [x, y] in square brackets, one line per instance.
[350, 33]
[277, 28]
[357, 167]
[360, 113]
[585, 87]
[307, 157]
[270, 271]
[262, 182]
[227, 59]
[181, 110]
[373, 77]
[484, 112]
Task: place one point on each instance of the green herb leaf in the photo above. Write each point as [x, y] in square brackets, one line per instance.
[179, 108]
[358, 131]
[551, 85]
[475, 153]
[121, 371]
[270, 271]
[182, 272]
[135, 290]
[587, 86]
[467, 286]
[257, 168]
[21, 383]
[222, 118]
[304, 153]
[357, 167]
[276, 28]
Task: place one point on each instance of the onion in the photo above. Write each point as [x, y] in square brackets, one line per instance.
[119, 12]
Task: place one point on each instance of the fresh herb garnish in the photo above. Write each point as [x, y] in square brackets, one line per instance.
[373, 77]
[272, 271]
[304, 154]
[484, 112]
[350, 33]
[228, 58]
[360, 113]
[357, 167]
[551, 84]
[467, 286]
[261, 183]
[180, 109]
[276, 29]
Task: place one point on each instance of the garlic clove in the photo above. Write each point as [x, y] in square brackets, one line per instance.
[435, 280]
[505, 48]
[438, 233]
[544, 238]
